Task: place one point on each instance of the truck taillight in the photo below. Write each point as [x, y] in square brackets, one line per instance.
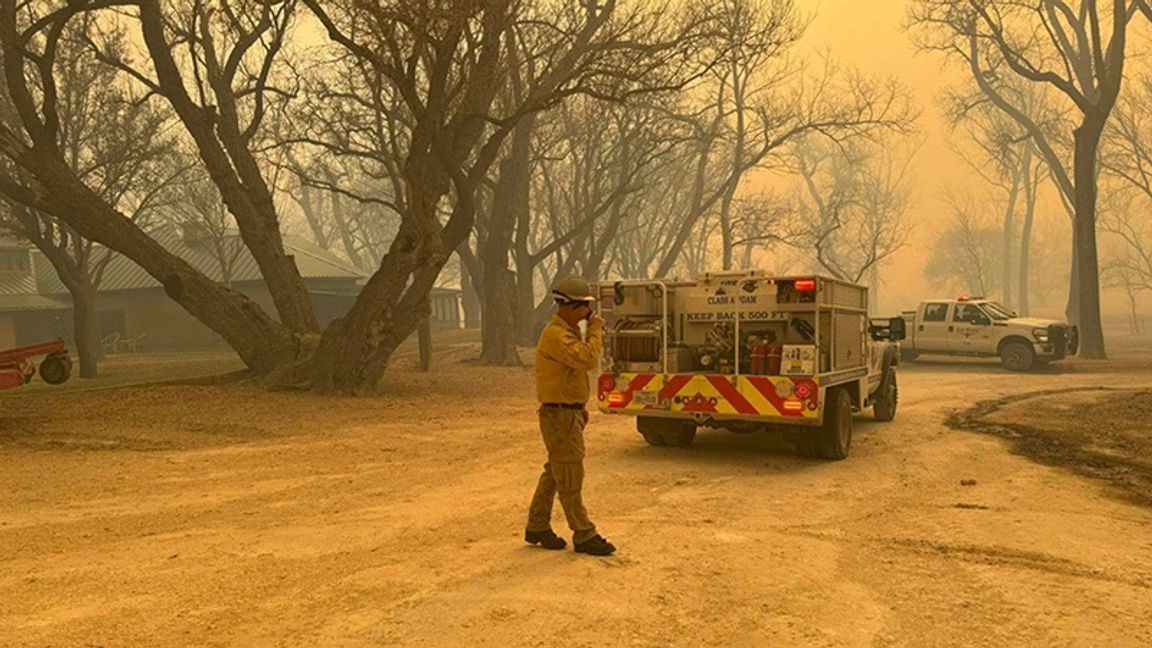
[804, 390]
[804, 285]
[607, 383]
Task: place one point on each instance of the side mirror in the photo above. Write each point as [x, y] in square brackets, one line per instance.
[892, 329]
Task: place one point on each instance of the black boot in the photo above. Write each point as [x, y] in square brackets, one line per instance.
[596, 546]
[546, 539]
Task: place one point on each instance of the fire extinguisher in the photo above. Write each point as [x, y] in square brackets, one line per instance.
[773, 353]
[759, 358]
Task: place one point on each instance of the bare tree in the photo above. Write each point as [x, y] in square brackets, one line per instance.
[640, 53]
[1128, 246]
[1007, 161]
[216, 68]
[204, 219]
[596, 160]
[30, 40]
[1126, 165]
[852, 204]
[1079, 51]
[964, 256]
[785, 107]
[120, 149]
[353, 227]
[448, 64]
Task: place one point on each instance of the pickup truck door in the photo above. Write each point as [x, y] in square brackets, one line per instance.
[933, 324]
[972, 330]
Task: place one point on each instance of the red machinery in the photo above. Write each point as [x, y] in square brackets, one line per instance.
[17, 368]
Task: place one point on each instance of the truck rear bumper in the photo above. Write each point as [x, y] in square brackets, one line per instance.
[706, 397]
[717, 420]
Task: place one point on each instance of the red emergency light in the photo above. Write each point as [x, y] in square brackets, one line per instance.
[804, 285]
[607, 383]
[804, 389]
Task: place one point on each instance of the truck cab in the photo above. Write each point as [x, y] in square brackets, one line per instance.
[984, 328]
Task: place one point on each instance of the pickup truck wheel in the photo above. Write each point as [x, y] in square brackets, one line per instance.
[887, 397]
[1017, 356]
[834, 439]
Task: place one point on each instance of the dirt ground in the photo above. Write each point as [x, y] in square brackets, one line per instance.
[1104, 432]
[229, 516]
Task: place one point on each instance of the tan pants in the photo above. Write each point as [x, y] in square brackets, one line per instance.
[563, 432]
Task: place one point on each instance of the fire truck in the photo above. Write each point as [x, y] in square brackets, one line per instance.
[747, 351]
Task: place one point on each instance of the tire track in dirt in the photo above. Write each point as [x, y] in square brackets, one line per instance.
[997, 556]
[1132, 479]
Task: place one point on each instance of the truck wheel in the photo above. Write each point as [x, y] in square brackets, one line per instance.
[887, 397]
[651, 429]
[56, 369]
[681, 437]
[834, 439]
[1017, 356]
[660, 432]
[653, 439]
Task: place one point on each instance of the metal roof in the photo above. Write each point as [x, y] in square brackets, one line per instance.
[123, 274]
[17, 283]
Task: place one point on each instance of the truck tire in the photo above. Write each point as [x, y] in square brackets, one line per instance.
[682, 436]
[834, 440]
[1017, 356]
[662, 432]
[887, 397]
[653, 439]
[56, 369]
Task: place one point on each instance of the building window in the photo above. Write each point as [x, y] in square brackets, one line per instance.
[14, 261]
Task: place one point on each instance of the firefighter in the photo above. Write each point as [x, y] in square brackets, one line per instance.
[563, 360]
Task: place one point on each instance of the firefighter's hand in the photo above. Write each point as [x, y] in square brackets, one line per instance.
[596, 321]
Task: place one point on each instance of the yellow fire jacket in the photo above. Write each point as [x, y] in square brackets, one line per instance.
[563, 361]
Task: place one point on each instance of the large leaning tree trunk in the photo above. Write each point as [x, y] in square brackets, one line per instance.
[41, 179]
[218, 125]
[262, 342]
[456, 136]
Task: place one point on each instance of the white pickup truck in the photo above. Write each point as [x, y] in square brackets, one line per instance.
[978, 327]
